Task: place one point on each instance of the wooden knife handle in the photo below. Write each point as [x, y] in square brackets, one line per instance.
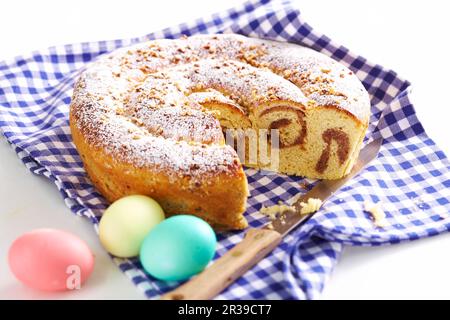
[256, 244]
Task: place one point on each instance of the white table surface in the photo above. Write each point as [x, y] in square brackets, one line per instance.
[409, 37]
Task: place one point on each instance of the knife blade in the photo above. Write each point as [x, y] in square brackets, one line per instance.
[257, 243]
[323, 190]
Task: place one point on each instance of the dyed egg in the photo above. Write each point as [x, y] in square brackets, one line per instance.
[50, 260]
[126, 222]
[178, 248]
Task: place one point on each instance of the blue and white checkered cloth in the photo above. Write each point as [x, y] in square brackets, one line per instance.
[410, 176]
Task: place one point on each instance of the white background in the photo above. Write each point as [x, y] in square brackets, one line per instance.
[409, 37]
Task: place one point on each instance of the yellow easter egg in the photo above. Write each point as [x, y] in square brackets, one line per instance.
[126, 222]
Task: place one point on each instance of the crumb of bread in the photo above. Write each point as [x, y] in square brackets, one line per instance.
[378, 215]
[311, 206]
[275, 211]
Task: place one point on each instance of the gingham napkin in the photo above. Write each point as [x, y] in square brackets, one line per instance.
[410, 176]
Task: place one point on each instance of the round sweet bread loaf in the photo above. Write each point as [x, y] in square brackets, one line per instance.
[150, 119]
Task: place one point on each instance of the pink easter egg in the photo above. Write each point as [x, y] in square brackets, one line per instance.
[50, 260]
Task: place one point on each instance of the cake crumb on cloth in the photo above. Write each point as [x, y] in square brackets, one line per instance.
[378, 215]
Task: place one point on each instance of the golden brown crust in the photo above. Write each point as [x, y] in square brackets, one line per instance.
[149, 119]
[224, 195]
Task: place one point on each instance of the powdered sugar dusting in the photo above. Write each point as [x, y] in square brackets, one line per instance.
[143, 105]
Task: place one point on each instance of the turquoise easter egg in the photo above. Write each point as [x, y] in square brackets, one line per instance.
[178, 248]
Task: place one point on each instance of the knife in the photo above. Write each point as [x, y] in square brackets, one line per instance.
[259, 242]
